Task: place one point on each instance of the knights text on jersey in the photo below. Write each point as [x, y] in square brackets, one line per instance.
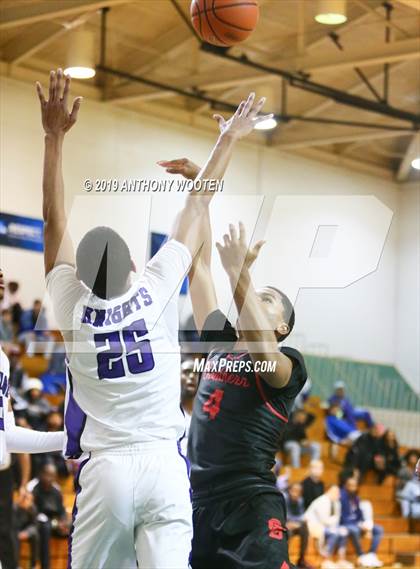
[4, 403]
[238, 418]
[123, 356]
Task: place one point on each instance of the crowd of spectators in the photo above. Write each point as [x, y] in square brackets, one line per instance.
[333, 516]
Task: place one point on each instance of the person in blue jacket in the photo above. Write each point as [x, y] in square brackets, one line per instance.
[339, 430]
[354, 521]
[350, 413]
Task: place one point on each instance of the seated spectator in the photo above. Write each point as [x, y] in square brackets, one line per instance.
[26, 527]
[296, 523]
[17, 375]
[313, 487]
[339, 430]
[357, 525]
[52, 516]
[11, 301]
[6, 326]
[303, 395]
[189, 384]
[409, 498]
[34, 327]
[38, 408]
[367, 453]
[350, 414]
[406, 472]
[282, 478]
[54, 423]
[295, 441]
[388, 447]
[323, 519]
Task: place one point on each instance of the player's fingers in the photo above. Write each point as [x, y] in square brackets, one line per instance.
[248, 105]
[240, 108]
[67, 81]
[40, 93]
[263, 118]
[226, 239]
[221, 121]
[59, 76]
[257, 246]
[257, 108]
[75, 109]
[242, 233]
[232, 231]
[51, 93]
[219, 247]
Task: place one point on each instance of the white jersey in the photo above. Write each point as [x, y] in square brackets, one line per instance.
[4, 404]
[123, 355]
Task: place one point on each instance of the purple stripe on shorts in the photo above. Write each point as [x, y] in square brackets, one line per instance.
[75, 511]
[74, 420]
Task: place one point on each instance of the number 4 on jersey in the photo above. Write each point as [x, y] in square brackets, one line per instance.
[212, 405]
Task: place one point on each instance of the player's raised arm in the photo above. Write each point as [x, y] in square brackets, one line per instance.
[255, 327]
[187, 228]
[56, 121]
[202, 289]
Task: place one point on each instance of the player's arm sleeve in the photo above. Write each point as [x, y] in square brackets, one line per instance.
[217, 331]
[298, 376]
[167, 270]
[65, 290]
[19, 439]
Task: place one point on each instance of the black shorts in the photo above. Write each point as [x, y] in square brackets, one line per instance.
[241, 533]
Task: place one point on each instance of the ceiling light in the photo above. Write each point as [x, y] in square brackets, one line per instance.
[331, 12]
[416, 163]
[268, 124]
[81, 55]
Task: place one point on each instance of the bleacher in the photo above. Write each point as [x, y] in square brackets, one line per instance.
[399, 547]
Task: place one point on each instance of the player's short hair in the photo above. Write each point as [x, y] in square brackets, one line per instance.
[289, 313]
[103, 262]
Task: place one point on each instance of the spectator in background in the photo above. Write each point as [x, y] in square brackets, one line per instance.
[353, 520]
[34, 328]
[11, 301]
[54, 423]
[339, 430]
[323, 519]
[295, 441]
[367, 453]
[37, 407]
[189, 384]
[350, 414]
[17, 375]
[52, 516]
[406, 472]
[6, 326]
[296, 524]
[303, 395]
[409, 498]
[389, 448]
[26, 527]
[313, 486]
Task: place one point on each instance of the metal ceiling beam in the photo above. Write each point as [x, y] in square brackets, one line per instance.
[415, 4]
[305, 84]
[23, 13]
[342, 139]
[413, 151]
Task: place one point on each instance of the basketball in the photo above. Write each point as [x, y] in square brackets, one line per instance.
[224, 22]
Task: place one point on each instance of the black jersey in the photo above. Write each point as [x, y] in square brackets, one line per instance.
[238, 418]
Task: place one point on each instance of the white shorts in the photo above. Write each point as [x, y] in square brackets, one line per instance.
[132, 507]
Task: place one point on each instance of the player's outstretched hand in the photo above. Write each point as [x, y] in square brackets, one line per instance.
[235, 254]
[182, 166]
[245, 118]
[56, 118]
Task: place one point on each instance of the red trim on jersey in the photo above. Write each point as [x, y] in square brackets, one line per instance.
[234, 356]
[267, 403]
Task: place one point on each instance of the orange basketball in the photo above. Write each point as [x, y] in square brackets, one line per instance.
[224, 22]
